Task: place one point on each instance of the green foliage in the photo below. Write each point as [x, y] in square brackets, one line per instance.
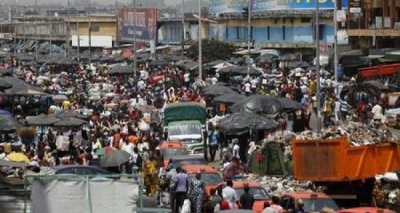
[212, 50]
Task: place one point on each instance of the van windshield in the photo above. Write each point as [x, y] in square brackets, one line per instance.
[184, 129]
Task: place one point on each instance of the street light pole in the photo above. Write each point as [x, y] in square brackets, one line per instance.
[200, 46]
[68, 29]
[24, 28]
[90, 35]
[36, 30]
[317, 61]
[77, 33]
[134, 39]
[248, 39]
[183, 29]
[335, 43]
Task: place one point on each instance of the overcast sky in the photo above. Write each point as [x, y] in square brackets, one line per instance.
[167, 2]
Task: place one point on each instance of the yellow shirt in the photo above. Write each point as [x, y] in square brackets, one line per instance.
[66, 105]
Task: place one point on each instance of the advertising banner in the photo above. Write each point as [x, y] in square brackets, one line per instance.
[226, 6]
[141, 22]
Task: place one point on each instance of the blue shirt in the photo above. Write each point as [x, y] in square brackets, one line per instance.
[213, 138]
[181, 182]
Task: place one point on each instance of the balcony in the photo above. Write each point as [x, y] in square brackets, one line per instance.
[380, 27]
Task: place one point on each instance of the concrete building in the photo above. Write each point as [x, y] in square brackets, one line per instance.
[170, 29]
[377, 26]
[41, 28]
[103, 30]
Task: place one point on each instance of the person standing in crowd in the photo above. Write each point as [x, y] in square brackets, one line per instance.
[275, 204]
[229, 194]
[344, 108]
[377, 112]
[246, 199]
[181, 188]
[213, 142]
[300, 207]
[197, 191]
[268, 208]
[250, 150]
[150, 175]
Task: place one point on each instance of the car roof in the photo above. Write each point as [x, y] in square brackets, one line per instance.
[171, 145]
[364, 209]
[187, 157]
[196, 168]
[304, 195]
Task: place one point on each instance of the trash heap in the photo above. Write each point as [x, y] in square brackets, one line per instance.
[357, 133]
[279, 185]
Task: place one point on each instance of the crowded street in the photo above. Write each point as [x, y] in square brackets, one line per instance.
[161, 113]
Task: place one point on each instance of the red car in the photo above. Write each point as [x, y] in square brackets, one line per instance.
[365, 209]
[259, 193]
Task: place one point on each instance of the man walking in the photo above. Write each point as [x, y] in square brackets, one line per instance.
[181, 188]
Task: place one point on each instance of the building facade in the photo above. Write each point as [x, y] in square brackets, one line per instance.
[376, 26]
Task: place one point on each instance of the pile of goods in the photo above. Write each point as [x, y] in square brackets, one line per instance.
[279, 185]
[357, 133]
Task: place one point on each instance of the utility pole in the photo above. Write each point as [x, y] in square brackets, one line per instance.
[183, 30]
[24, 28]
[134, 39]
[51, 34]
[77, 33]
[249, 39]
[15, 28]
[90, 35]
[200, 46]
[68, 29]
[36, 30]
[335, 43]
[317, 65]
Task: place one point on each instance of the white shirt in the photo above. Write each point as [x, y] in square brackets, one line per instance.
[186, 77]
[2, 156]
[214, 80]
[128, 148]
[254, 83]
[230, 195]
[247, 87]
[252, 147]
[377, 111]
[235, 150]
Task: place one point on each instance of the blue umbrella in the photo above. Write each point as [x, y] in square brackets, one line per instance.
[5, 112]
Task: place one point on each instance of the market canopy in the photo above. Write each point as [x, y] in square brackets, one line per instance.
[259, 104]
[20, 87]
[217, 90]
[242, 122]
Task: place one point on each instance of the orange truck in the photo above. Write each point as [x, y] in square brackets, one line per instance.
[347, 172]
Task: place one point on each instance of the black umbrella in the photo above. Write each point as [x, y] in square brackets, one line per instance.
[115, 158]
[186, 64]
[217, 90]
[159, 62]
[42, 120]
[4, 85]
[266, 58]
[288, 57]
[69, 114]
[289, 104]
[20, 87]
[70, 122]
[8, 124]
[121, 70]
[259, 104]
[244, 70]
[242, 122]
[230, 98]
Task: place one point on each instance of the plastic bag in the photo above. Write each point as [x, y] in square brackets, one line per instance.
[390, 177]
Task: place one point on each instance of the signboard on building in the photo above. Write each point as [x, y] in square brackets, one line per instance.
[226, 6]
[141, 22]
[96, 41]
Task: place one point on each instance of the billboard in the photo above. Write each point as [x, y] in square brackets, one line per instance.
[226, 6]
[141, 22]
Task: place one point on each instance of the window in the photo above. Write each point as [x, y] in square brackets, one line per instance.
[284, 32]
[94, 28]
[268, 33]
[305, 20]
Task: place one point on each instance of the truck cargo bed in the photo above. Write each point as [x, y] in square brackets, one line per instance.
[336, 160]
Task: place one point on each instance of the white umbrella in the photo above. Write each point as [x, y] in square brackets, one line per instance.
[110, 94]
[60, 97]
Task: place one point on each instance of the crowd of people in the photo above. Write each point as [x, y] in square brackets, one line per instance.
[123, 112]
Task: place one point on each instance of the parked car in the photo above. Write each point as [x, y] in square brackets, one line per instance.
[169, 149]
[182, 160]
[256, 190]
[313, 202]
[209, 175]
[365, 209]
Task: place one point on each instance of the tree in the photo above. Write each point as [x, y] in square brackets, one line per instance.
[212, 50]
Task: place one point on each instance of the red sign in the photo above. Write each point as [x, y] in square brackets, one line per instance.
[139, 22]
